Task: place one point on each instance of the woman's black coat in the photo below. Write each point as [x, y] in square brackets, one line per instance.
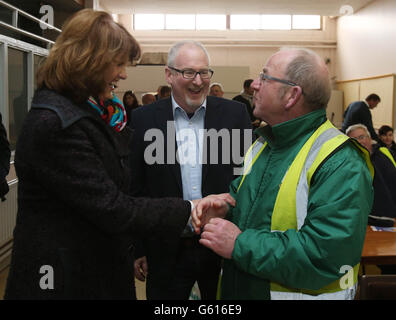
[76, 223]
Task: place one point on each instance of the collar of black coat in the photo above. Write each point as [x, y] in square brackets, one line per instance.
[68, 111]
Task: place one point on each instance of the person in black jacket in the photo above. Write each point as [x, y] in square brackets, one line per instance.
[359, 112]
[385, 133]
[383, 212]
[246, 97]
[190, 163]
[384, 182]
[5, 154]
[76, 223]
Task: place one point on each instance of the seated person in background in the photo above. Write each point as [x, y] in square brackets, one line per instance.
[148, 98]
[384, 206]
[384, 183]
[386, 136]
[165, 92]
[130, 102]
[216, 89]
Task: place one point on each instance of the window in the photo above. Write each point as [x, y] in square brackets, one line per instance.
[149, 21]
[180, 22]
[211, 22]
[275, 22]
[17, 92]
[219, 22]
[245, 22]
[306, 22]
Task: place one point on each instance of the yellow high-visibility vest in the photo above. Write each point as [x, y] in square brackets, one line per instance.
[386, 152]
[291, 202]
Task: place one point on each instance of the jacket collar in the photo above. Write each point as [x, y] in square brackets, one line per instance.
[289, 132]
[67, 110]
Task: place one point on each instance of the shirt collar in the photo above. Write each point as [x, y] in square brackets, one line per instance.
[175, 106]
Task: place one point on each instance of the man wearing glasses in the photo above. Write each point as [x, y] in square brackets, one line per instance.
[383, 212]
[302, 203]
[384, 180]
[191, 168]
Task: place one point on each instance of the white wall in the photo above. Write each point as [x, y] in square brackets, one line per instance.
[367, 42]
[367, 48]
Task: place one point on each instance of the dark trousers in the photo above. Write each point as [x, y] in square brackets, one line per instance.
[194, 263]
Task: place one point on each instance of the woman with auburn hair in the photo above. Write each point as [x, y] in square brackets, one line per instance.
[76, 223]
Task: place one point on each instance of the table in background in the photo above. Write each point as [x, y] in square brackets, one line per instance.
[379, 248]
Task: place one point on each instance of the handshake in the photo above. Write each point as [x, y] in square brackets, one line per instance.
[218, 234]
[212, 206]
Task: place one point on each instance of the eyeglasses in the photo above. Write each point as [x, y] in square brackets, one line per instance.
[264, 76]
[361, 137]
[191, 74]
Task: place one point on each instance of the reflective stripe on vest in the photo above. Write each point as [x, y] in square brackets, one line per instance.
[251, 156]
[386, 152]
[290, 212]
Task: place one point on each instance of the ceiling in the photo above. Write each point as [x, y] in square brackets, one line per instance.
[321, 7]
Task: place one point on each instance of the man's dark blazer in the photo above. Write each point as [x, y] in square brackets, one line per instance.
[359, 112]
[164, 179]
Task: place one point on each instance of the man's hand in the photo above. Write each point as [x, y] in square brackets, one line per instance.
[141, 268]
[216, 205]
[220, 235]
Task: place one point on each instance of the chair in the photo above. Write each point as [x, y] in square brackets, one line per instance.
[377, 287]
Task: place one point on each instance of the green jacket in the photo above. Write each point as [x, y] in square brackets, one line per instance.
[339, 201]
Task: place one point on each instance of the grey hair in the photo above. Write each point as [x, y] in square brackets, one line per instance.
[357, 126]
[305, 71]
[217, 84]
[174, 50]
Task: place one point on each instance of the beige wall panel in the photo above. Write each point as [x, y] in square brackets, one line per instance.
[351, 92]
[334, 109]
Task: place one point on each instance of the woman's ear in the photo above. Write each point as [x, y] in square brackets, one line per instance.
[293, 96]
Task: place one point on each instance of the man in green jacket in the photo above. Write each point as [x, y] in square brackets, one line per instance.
[302, 204]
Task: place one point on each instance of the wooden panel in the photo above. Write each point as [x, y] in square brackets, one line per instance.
[351, 92]
[384, 86]
[334, 109]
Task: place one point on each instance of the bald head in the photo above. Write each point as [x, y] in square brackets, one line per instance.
[174, 50]
[307, 69]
